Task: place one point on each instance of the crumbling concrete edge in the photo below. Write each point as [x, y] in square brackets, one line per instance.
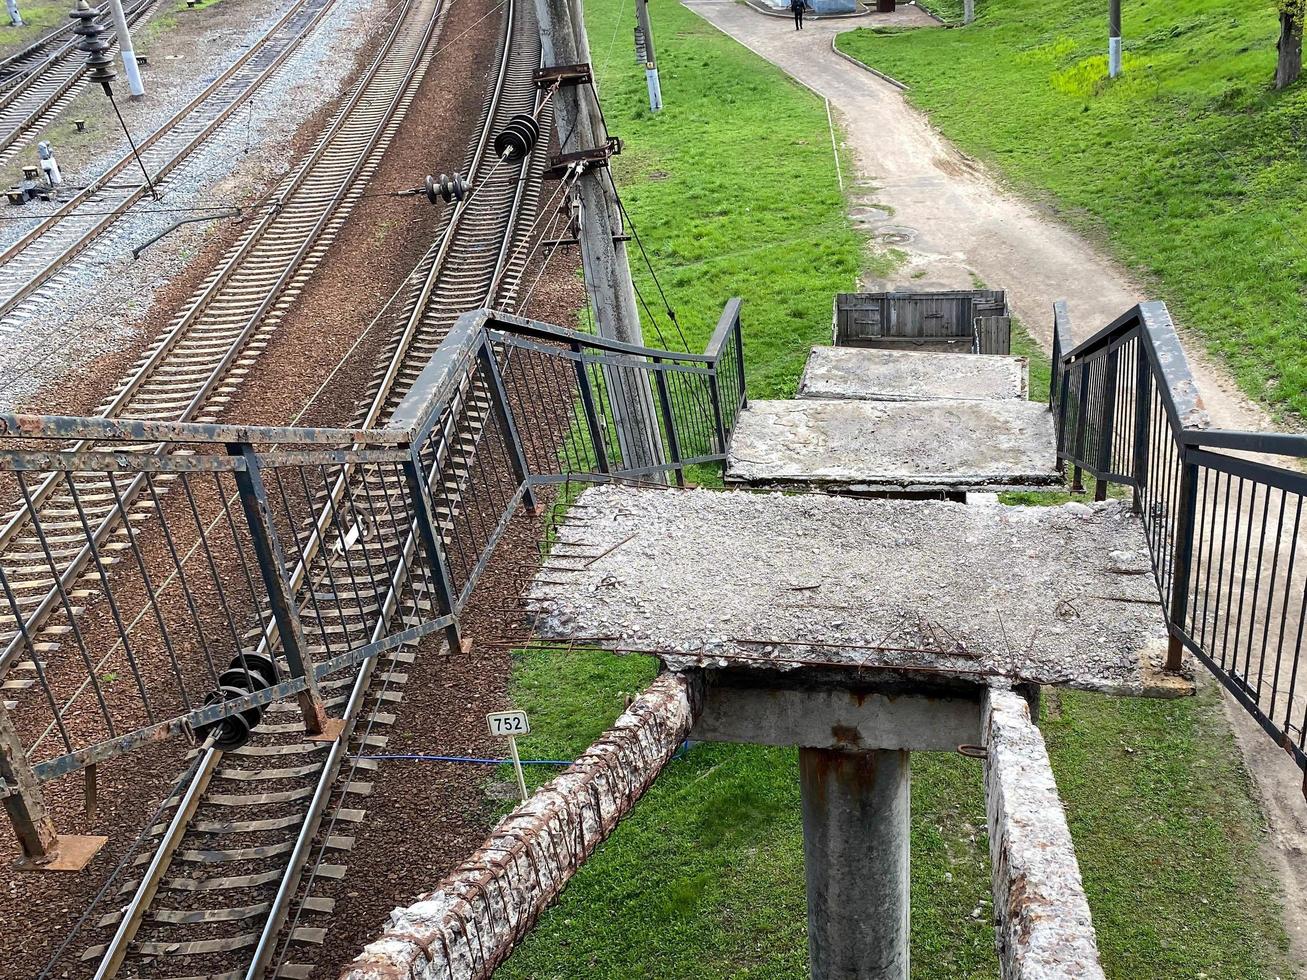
[477, 915]
[1043, 926]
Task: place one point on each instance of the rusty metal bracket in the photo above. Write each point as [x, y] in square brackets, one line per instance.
[597, 156]
[577, 74]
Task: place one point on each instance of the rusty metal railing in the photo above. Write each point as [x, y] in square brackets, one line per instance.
[175, 579]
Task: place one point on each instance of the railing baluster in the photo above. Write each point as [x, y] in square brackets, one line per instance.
[499, 403]
[1143, 404]
[669, 421]
[588, 407]
[1107, 428]
[272, 566]
[1184, 546]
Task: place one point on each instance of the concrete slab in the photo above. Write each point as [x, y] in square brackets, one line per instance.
[917, 589]
[865, 446]
[868, 374]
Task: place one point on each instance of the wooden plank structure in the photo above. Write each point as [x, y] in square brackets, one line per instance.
[965, 320]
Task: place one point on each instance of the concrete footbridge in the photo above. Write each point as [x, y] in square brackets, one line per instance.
[860, 592]
[858, 589]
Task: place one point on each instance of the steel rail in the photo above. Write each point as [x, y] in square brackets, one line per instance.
[329, 774]
[95, 191]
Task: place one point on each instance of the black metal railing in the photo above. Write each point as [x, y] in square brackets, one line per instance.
[1221, 513]
[173, 579]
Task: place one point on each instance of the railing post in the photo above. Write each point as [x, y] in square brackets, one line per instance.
[1055, 372]
[669, 421]
[591, 414]
[719, 422]
[1143, 407]
[499, 401]
[43, 847]
[1082, 415]
[272, 567]
[1183, 556]
[738, 329]
[426, 522]
[24, 801]
[1107, 426]
[1063, 397]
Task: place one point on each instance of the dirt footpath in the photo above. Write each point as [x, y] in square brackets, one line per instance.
[957, 224]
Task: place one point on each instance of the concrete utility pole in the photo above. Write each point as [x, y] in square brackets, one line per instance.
[15, 18]
[650, 60]
[125, 48]
[603, 255]
[968, 11]
[1113, 38]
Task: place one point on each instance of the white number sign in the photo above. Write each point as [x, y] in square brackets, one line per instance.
[508, 723]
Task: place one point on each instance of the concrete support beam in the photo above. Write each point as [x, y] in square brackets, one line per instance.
[843, 715]
[475, 917]
[1044, 930]
[856, 830]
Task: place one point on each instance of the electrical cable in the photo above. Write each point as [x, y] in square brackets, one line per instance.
[131, 141]
[635, 233]
[464, 759]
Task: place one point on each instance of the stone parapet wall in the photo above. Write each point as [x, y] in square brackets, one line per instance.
[475, 918]
[1043, 926]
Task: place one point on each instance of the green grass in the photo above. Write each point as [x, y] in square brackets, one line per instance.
[38, 18]
[705, 878]
[949, 11]
[1189, 168]
[730, 195]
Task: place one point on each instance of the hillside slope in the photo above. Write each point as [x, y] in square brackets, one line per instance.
[1189, 168]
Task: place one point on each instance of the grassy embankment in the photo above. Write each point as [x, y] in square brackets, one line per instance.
[705, 879]
[39, 16]
[1189, 168]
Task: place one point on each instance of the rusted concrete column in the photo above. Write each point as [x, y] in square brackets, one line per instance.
[856, 808]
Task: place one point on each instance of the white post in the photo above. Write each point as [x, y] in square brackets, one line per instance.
[650, 60]
[126, 50]
[968, 11]
[1113, 38]
[517, 767]
[15, 18]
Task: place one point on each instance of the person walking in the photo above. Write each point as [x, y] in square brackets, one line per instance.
[797, 7]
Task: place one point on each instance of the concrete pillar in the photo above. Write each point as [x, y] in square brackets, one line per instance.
[856, 808]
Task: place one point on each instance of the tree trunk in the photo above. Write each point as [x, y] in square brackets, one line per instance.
[1289, 63]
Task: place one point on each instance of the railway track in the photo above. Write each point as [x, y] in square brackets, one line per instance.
[58, 238]
[192, 370]
[39, 81]
[233, 871]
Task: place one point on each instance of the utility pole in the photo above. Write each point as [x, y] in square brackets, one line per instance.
[126, 50]
[15, 18]
[968, 11]
[1113, 38]
[566, 59]
[650, 61]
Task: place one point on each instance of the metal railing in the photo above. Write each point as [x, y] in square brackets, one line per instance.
[255, 562]
[1222, 516]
